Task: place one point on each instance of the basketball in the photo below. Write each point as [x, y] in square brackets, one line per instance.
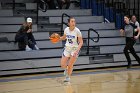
[54, 38]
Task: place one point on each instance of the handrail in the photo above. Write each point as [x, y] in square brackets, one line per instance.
[43, 10]
[98, 37]
[62, 21]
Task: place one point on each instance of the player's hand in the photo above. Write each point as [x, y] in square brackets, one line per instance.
[30, 30]
[136, 37]
[75, 54]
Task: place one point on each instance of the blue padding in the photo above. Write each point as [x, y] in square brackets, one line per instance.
[122, 21]
[100, 8]
[82, 4]
[111, 15]
[87, 4]
[107, 13]
[94, 7]
[118, 21]
[99, 5]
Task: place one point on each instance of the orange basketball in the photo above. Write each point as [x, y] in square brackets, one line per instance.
[54, 38]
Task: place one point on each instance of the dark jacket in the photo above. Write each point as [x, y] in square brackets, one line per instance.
[21, 36]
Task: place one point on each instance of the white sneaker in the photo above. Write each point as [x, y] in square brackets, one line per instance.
[67, 79]
[66, 71]
[28, 48]
[36, 48]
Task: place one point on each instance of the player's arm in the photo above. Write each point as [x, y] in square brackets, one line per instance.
[122, 32]
[63, 37]
[80, 40]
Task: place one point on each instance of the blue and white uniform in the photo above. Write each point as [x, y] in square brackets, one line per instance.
[71, 41]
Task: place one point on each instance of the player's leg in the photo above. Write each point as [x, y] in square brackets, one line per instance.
[70, 68]
[64, 61]
[70, 65]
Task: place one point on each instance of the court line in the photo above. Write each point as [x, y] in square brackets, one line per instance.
[61, 75]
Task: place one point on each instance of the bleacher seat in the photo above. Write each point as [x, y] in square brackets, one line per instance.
[18, 55]
[83, 12]
[122, 58]
[24, 1]
[41, 44]
[108, 41]
[11, 65]
[102, 33]
[80, 19]
[95, 26]
[31, 6]
[12, 20]
[115, 49]
[13, 28]
[4, 12]
[37, 35]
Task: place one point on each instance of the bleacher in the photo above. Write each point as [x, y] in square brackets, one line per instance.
[108, 52]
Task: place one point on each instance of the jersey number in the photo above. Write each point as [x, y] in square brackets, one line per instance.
[70, 41]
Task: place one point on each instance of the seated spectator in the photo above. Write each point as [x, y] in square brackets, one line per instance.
[25, 38]
[63, 2]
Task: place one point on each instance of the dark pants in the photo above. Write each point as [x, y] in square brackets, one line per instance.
[129, 46]
[26, 39]
[52, 4]
[67, 2]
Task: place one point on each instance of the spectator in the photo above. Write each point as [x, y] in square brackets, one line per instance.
[25, 38]
[136, 23]
[63, 2]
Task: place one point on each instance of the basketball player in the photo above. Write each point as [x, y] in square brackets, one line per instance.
[73, 45]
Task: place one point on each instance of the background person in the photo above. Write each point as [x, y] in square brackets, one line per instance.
[25, 38]
[130, 40]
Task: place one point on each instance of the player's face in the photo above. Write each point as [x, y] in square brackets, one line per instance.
[72, 23]
[126, 20]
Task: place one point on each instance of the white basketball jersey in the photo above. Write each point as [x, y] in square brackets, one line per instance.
[72, 36]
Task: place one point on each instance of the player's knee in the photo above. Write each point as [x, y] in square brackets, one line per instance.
[70, 66]
[63, 66]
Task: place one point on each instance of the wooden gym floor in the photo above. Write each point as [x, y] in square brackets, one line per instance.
[120, 80]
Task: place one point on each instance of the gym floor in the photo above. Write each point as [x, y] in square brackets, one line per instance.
[114, 80]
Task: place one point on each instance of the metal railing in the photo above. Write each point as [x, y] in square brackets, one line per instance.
[62, 21]
[92, 38]
[41, 6]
